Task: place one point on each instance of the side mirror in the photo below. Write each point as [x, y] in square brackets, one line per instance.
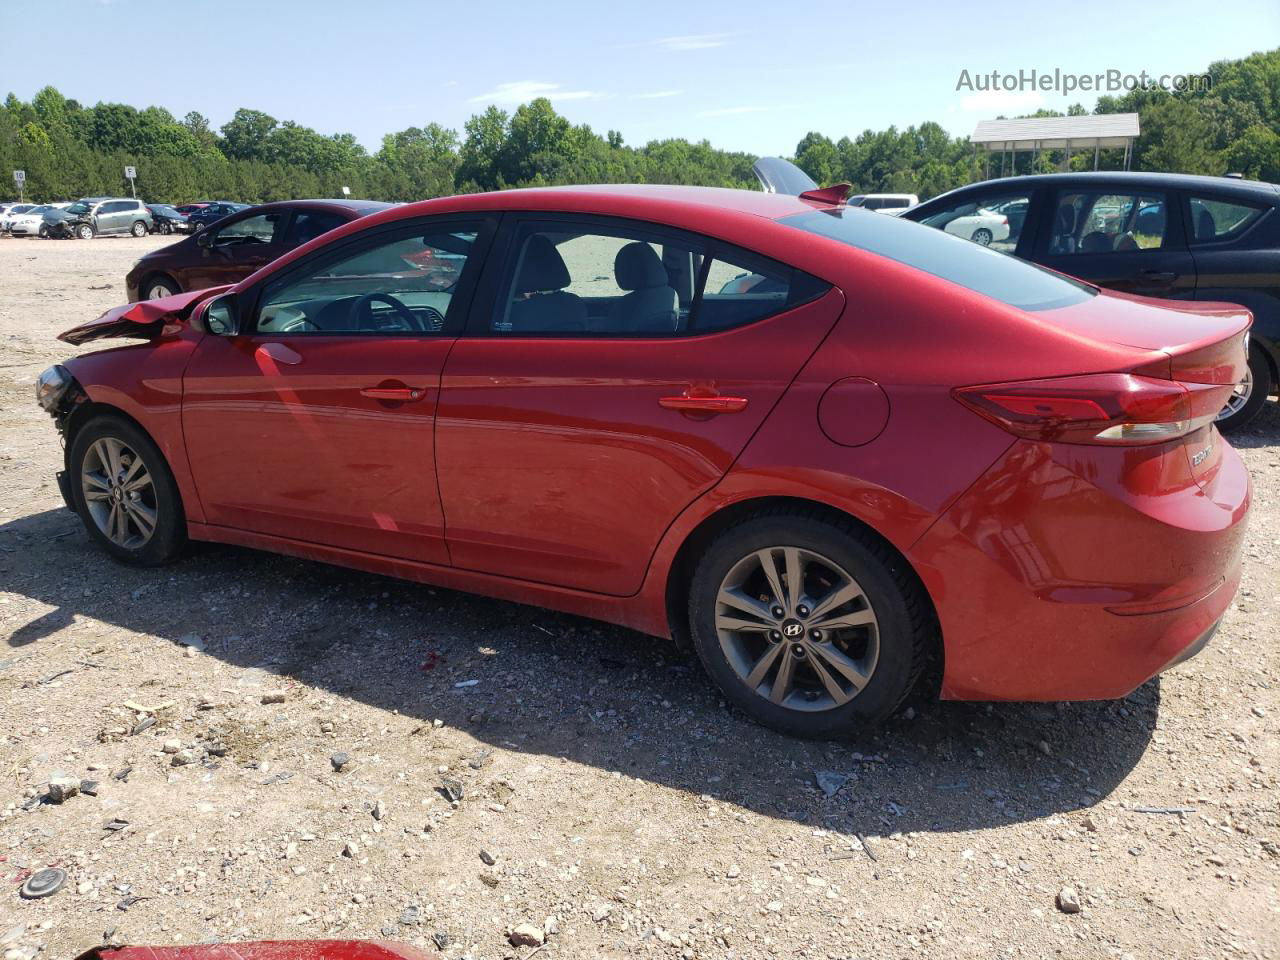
[220, 317]
[204, 238]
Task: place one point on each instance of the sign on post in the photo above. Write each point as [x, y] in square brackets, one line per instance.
[130, 173]
[20, 178]
[346, 191]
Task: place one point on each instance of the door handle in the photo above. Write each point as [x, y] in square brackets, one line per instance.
[709, 405]
[397, 394]
[1162, 275]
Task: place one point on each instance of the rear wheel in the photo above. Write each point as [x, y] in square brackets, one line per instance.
[139, 229]
[982, 236]
[125, 493]
[1250, 393]
[811, 627]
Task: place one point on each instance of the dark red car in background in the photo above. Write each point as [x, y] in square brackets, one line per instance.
[825, 445]
[238, 245]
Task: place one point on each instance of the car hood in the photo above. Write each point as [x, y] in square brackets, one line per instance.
[146, 320]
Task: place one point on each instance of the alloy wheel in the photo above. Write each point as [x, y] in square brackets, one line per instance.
[119, 493]
[1239, 396]
[797, 629]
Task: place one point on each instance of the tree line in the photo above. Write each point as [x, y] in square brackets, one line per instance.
[70, 150]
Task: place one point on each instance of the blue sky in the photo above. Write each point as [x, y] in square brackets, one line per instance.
[745, 75]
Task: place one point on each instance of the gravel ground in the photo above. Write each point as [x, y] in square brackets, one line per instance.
[626, 810]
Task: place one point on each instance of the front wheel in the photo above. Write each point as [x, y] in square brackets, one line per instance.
[125, 493]
[157, 287]
[44, 232]
[85, 231]
[811, 627]
[1250, 393]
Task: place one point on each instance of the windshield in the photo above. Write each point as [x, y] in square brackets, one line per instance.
[79, 207]
[978, 268]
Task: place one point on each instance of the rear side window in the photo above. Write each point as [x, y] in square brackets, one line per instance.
[595, 278]
[1213, 221]
[309, 224]
[975, 267]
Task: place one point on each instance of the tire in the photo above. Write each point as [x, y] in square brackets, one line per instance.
[157, 286]
[889, 652]
[982, 236]
[85, 232]
[139, 229]
[44, 232]
[197, 227]
[166, 228]
[1248, 400]
[91, 453]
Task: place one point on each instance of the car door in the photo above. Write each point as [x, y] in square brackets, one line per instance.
[316, 422]
[236, 248]
[1119, 237]
[108, 217]
[611, 376]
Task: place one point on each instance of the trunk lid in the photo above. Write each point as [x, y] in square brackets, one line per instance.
[145, 320]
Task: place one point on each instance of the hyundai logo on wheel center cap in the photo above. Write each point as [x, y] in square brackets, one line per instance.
[792, 629]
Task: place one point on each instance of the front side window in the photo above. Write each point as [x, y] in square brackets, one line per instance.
[1101, 222]
[617, 280]
[993, 220]
[399, 284]
[1213, 221]
[262, 229]
[309, 224]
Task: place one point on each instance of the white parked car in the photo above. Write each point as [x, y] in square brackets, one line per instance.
[981, 226]
[891, 203]
[32, 223]
[13, 211]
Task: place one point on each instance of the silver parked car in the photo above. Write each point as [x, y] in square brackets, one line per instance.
[103, 216]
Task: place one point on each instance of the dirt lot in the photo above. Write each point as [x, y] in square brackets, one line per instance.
[626, 809]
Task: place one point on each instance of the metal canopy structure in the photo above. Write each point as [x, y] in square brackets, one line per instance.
[1095, 132]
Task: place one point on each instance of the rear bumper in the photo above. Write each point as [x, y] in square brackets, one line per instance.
[1050, 586]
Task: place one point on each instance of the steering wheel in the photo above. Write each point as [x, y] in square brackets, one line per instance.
[363, 315]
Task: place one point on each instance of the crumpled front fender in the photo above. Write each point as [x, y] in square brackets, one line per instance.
[147, 320]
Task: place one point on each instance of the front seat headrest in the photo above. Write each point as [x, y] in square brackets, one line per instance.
[637, 267]
[1206, 226]
[542, 268]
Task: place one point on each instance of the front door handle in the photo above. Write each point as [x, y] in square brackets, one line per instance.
[397, 394]
[708, 405]
[1164, 276]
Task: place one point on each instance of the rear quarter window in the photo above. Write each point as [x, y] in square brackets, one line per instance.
[993, 274]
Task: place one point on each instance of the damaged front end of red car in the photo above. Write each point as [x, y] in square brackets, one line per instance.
[145, 320]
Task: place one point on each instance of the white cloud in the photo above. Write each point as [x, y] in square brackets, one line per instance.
[1001, 101]
[657, 95]
[522, 91]
[732, 111]
[693, 41]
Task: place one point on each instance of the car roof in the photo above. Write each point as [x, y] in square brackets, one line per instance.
[358, 207]
[622, 199]
[1257, 189]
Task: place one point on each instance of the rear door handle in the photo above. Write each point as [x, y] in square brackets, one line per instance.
[703, 404]
[399, 394]
[1162, 275]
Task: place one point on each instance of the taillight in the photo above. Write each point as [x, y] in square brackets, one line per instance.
[1106, 408]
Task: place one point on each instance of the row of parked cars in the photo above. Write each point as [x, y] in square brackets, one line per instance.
[91, 217]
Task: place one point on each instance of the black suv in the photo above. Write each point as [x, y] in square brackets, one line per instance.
[1154, 234]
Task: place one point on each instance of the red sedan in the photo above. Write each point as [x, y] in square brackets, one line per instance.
[824, 446]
